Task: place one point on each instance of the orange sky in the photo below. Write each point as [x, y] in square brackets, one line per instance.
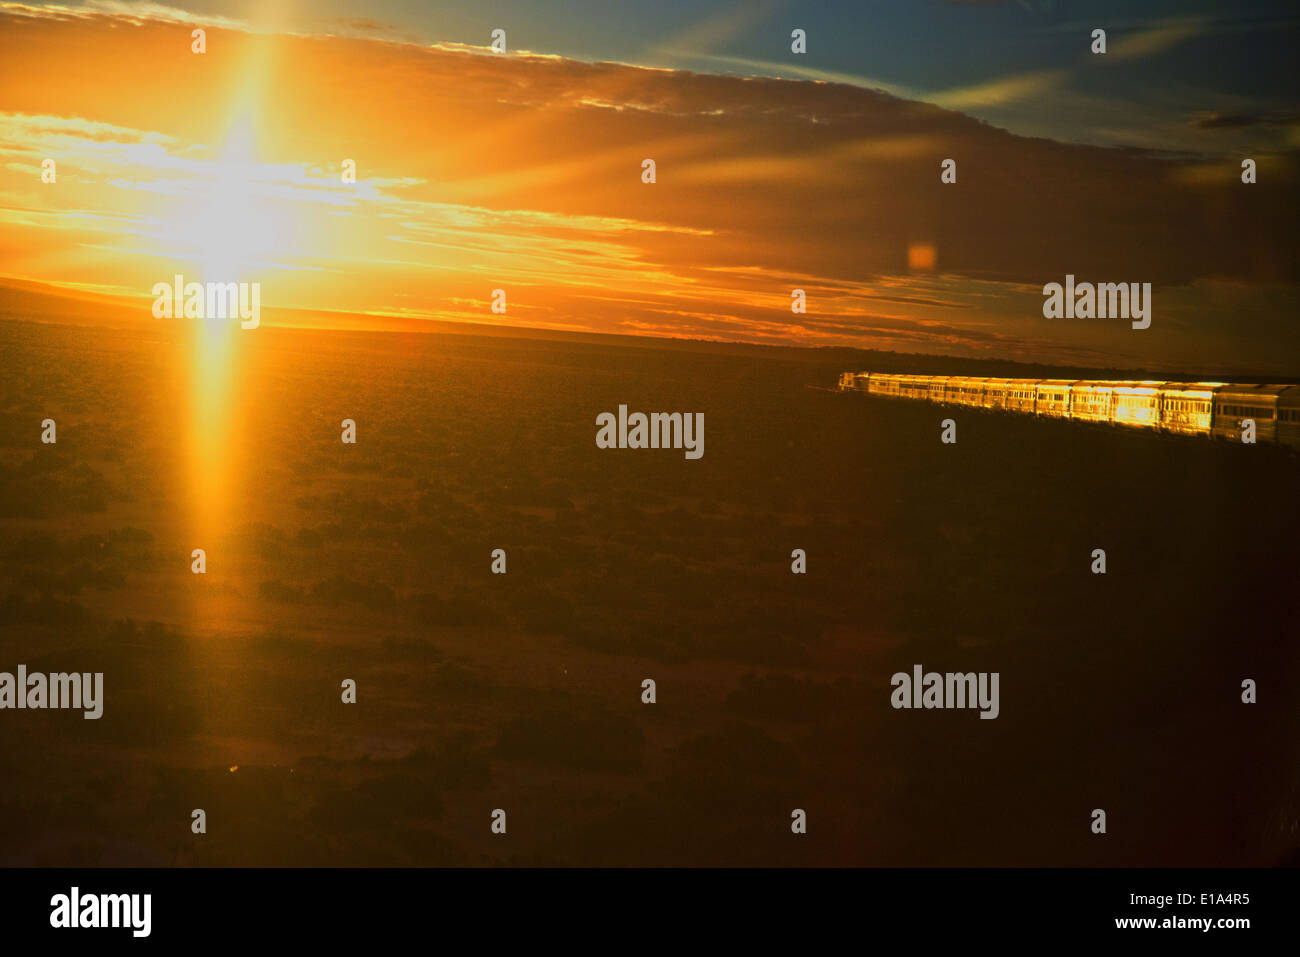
[478, 171]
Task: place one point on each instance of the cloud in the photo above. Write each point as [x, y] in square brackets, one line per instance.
[773, 68]
[1220, 121]
[1145, 43]
[123, 11]
[1023, 86]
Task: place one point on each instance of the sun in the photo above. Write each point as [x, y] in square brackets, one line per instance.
[229, 224]
[234, 228]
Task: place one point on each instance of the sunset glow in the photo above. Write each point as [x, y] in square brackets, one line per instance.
[477, 171]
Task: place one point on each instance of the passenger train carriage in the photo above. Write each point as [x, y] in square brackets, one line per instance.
[1263, 403]
[1216, 409]
[1137, 403]
[1188, 406]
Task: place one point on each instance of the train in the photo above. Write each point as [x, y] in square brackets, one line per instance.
[1214, 409]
